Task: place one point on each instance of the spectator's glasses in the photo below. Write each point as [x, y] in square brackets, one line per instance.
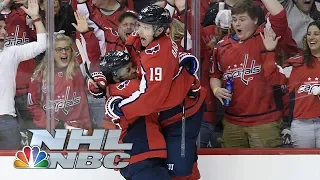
[60, 49]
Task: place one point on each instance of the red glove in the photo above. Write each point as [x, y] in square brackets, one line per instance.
[97, 87]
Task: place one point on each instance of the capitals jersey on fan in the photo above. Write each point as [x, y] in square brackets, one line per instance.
[20, 33]
[302, 81]
[253, 101]
[70, 103]
[108, 21]
[105, 29]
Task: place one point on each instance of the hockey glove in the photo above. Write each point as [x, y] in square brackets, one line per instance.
[195, 89]
[190, 62]
[97, 88]
[112, 109]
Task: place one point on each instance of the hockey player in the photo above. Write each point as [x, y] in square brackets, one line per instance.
[159, 64]
[70, 103]
[149, 148]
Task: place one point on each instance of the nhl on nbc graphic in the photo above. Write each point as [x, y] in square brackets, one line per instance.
[31, 157]
[102, 148]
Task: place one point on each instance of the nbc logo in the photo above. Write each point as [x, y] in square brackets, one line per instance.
[31, 157]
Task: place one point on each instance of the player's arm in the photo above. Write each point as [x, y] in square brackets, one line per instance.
[31, 50]
[34, 103]
[153, 90]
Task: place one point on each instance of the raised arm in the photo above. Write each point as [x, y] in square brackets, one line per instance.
[30, 50]
[273, 6]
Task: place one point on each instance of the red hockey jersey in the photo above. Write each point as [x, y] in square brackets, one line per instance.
[20, 33]
[151, 143]
[159, 64]
[302, 80]
[253, 100]
[70, 103]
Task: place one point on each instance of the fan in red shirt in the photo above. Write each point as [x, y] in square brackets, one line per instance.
[70, 103]
[241, 57]
[304, 88]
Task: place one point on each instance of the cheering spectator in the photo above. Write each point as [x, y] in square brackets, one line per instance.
[127, 24]
[70, 103]
[63, 17]
[20, 31]
[299, 16]
[255, 122]
[304, 87]
[10, 57]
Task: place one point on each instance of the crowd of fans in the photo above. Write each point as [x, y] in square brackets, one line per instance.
[270, 51]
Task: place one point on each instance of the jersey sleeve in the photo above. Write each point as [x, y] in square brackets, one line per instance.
[34, 103]
[215, 70]
[32, 49]
[279, 24]
[153, 89]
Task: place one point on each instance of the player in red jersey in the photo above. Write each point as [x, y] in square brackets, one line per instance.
[149, 147]
[159, 64]
[304, 88]
[242, 58]
[70, 103]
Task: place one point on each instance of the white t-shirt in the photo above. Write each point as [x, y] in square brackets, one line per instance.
[10, 57]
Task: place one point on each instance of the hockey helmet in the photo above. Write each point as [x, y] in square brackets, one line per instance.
[113, 61]
[155, 15]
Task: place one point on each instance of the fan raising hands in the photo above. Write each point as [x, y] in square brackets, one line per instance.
[269, 40]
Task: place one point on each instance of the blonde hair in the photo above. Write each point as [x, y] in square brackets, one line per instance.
[42, 68]
[176, 30]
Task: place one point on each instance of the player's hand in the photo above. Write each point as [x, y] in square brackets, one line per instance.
[269, 40]
[221, 94]
[195, 89]
[112, 109]
[33, 9]
[190, 62]
[82, 24]
[97, 88]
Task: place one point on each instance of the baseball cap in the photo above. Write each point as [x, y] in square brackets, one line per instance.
[223, 19]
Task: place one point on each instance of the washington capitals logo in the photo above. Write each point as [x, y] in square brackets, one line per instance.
[153, 50]
[241, 71]
[123, 85]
